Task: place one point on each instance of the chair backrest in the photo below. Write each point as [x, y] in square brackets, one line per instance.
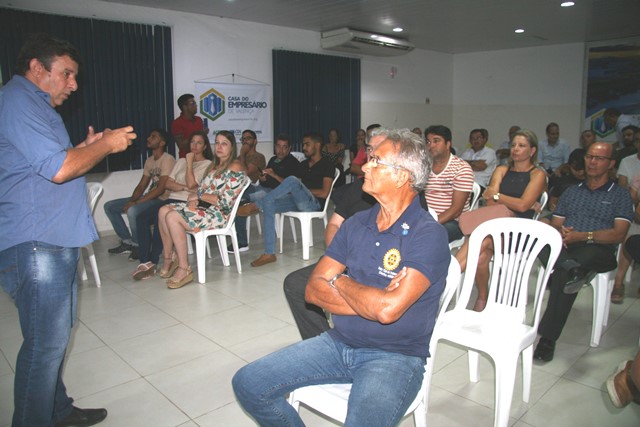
[94, 191]
[433, 213]
[326, 201]
[453, 281]
[516, 245]
[544, 198]
[236, 204]
[540, 205]
[475, 196]
[346, 160]
[298, 155]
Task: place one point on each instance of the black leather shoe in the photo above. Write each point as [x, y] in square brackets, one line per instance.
[579, 276]
[83, 417]
[544, 350]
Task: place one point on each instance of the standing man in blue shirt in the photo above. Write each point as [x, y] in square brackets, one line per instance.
[44, 220]
[381, 278]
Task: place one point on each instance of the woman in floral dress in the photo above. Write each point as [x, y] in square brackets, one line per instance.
[207, 209]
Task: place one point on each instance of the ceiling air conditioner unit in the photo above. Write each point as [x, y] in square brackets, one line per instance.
[364, 43]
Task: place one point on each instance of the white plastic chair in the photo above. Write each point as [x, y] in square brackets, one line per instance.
[501, 330]
[221, 234]
[475, 199]
[306, 226]
[332, 399]
[94, 191]
[602, 285]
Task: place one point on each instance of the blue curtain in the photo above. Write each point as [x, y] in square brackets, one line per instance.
[125, 76]
[314, 93]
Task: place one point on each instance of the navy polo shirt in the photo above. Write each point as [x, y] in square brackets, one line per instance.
[590, 210]
[373, 258]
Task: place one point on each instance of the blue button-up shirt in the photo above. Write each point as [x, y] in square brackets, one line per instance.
[374, 257]
[33, 144]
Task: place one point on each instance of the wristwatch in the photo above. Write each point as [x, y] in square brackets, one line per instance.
[496, 197]
[590, 237]
[332, 281]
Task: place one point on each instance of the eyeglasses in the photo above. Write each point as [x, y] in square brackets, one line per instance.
[248, 138]
[374, 161]
[589, 157]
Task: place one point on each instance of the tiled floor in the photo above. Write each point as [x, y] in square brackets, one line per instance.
[158, 357]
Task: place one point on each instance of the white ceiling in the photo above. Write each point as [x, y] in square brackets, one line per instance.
[452, 26]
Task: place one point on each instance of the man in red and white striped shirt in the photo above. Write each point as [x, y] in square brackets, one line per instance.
[450, 182]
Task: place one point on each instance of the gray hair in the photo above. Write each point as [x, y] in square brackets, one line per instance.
[411, 154]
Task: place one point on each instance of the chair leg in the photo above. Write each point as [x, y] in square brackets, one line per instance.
[200, 257]
[527, 368]
[259, 224]
[305, 229]
[222, 245]
[81, 266]
[189, 245]
[607, 306]
[293, 229]
[280, 221]
[249, 227]
[474, 358]
[276, 222]
[505, 378]
[627, 276]
[601, 297]
[236, 252]
[94, 265]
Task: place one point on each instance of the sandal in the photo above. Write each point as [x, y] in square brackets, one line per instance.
[617, 294]
[144, 271]
[175, 283]
[169, 266]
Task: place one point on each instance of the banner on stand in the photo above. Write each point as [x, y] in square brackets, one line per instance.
[235, 107]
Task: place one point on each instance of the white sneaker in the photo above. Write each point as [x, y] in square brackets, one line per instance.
[240, 249]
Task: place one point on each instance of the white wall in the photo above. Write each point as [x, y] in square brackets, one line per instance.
[527, 87]
[494, 89]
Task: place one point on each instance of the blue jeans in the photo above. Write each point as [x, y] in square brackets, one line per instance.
[113, 209]
[251, 194]
[149, 241]
[383, 384]
[290, 195]
[41, 280]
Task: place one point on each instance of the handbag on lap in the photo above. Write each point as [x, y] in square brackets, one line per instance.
[471, 219]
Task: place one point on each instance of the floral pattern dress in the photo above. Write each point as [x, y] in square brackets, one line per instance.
[227, 186]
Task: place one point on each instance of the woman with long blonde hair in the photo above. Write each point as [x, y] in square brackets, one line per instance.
[208, 208]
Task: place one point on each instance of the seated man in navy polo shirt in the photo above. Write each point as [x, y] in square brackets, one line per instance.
[381, 278]
[593, 217]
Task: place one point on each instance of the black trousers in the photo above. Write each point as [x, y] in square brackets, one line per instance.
[310, 319]
[600, 258]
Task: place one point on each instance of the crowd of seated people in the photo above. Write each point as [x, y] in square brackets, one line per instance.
[589, 239]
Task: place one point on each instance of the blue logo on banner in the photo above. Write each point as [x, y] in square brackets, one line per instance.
[212, 104]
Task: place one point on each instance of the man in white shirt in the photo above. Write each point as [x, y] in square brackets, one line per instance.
[554, 151]
[482, 159]
[618, 121]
